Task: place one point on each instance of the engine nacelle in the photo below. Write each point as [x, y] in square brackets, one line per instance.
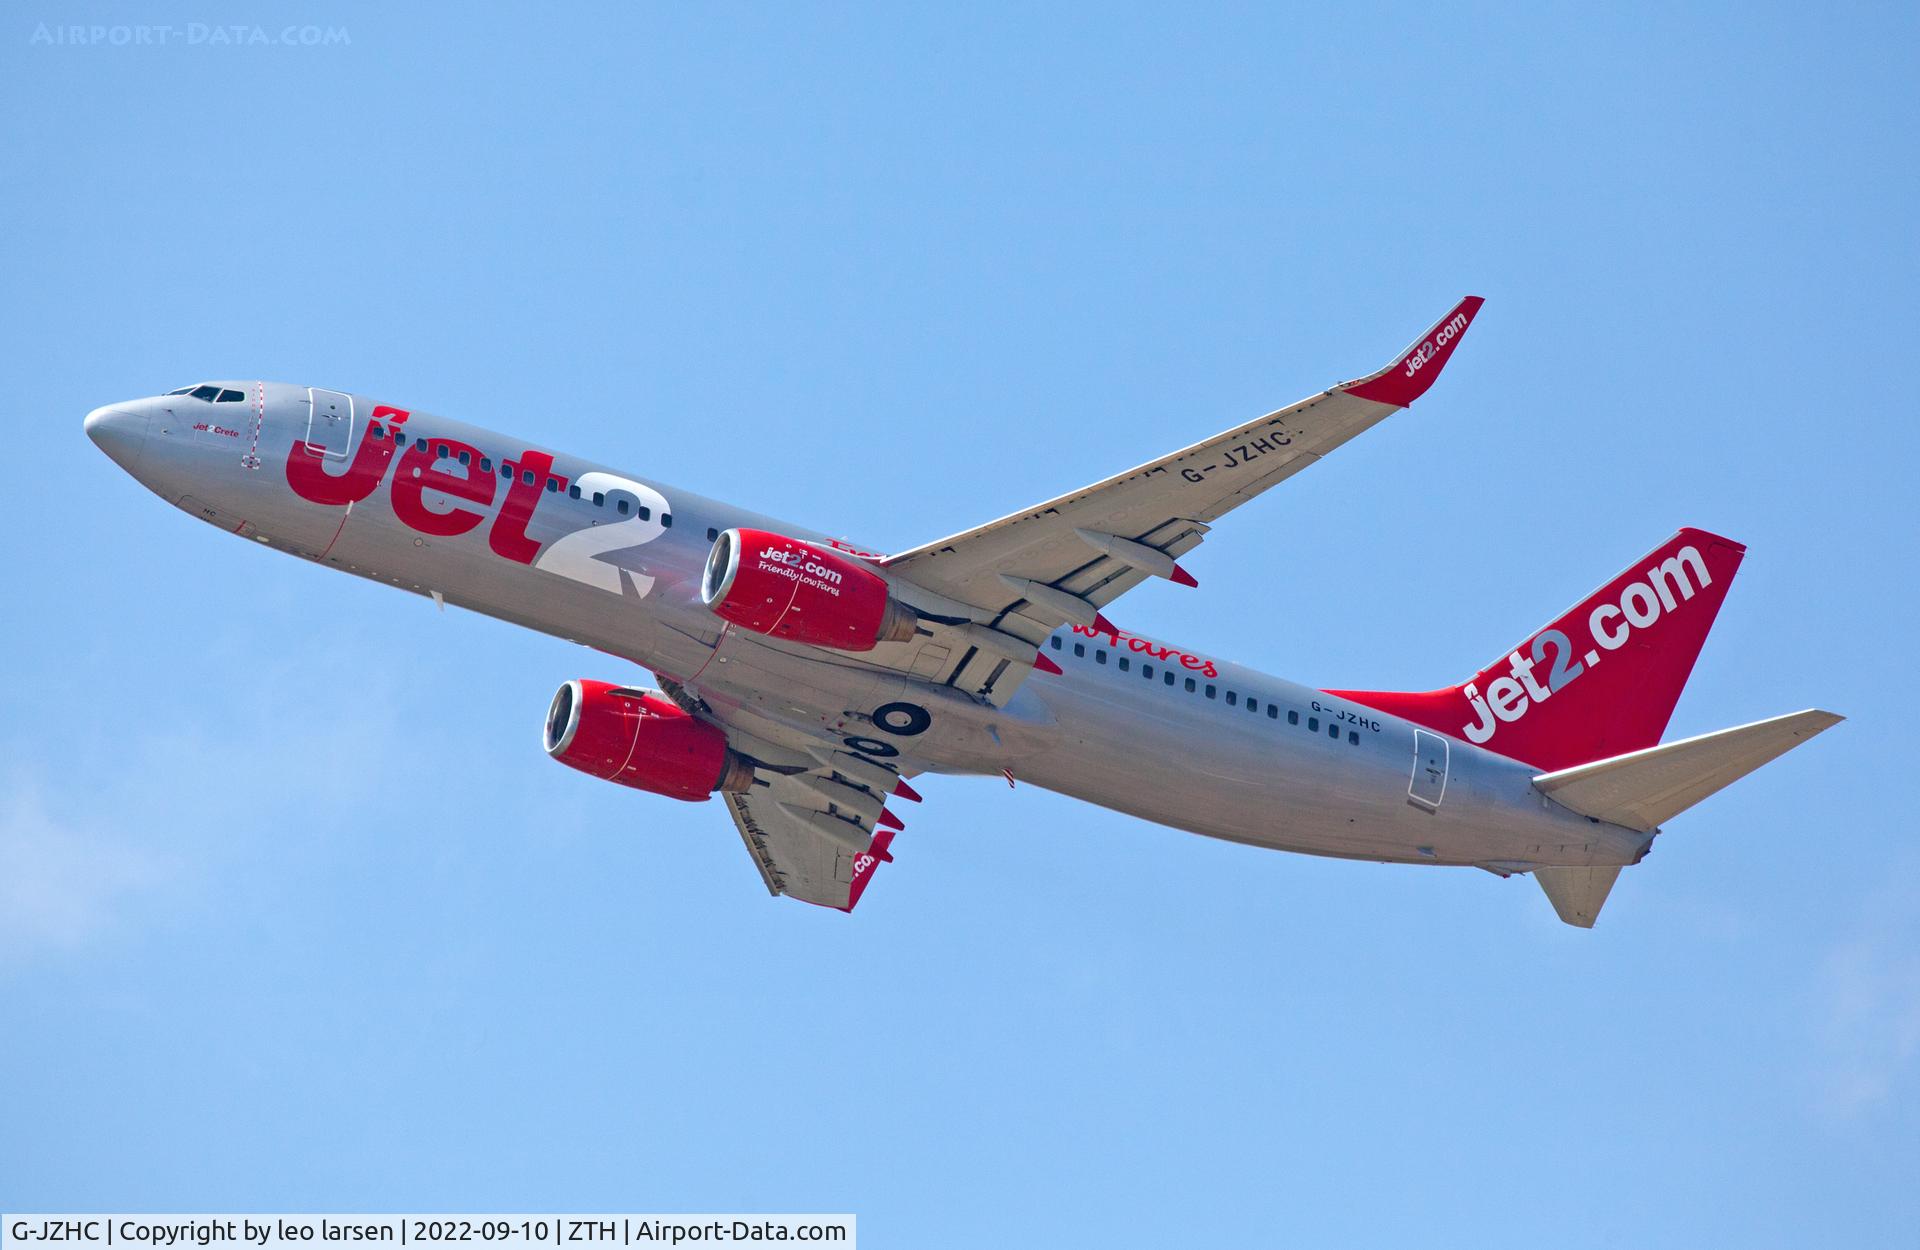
[801, 591]
[643, 739]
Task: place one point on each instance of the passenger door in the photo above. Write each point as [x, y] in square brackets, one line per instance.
[329, 423]
[1429, 783]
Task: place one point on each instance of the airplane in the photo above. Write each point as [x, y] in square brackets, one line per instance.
[808, 680]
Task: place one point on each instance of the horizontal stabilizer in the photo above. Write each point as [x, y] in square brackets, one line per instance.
[1643, 789]
[1577, 893]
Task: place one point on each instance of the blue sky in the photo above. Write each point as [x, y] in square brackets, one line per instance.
[295, 915]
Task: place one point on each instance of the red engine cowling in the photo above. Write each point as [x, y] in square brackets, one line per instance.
[641, 738]
[772, 584]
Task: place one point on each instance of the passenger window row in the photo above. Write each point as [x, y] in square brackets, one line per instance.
[442, 451]
[1211, 690]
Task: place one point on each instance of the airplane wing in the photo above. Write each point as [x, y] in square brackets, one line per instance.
[1059, 562]
[815, 820]
[799, 859]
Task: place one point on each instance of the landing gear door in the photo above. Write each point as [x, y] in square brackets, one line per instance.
[329, 424]
[1429, 783]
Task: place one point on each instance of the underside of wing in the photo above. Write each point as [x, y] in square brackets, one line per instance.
[815, 818]
[802, 861]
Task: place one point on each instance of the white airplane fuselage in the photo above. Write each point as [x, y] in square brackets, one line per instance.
[1168, 734]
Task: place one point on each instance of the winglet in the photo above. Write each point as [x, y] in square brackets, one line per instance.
[864, 864]
[1408, 378]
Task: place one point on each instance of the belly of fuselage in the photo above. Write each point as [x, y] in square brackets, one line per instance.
[1206, 768]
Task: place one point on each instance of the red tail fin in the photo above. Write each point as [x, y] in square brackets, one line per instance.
[1600, 681]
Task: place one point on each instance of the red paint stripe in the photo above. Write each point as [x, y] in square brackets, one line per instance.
[337, 531]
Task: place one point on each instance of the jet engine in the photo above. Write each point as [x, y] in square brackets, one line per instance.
[801, 591]
[643, 739]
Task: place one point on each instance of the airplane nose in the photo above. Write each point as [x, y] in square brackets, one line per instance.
[118, 432]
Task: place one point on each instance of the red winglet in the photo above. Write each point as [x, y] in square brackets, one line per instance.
[1183, 578]
[887, 820]
[1408, 378]
[1041, 662]
[864, 864]
[906, 791]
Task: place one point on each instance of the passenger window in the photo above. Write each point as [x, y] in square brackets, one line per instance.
[624, 507]
[599, 499]
[713, 533]
[486, 464]
[1190, 685]
[506, 469]
[377, 433]
[1253, 705]
[666, 520]
[1100, 656]
[1313, 724]
[1293, 718]
[526, 477]
[466, 457]
[1169, 677]
[1233, 699]
[1080, 649]
[1333, 731]
[1210, 690]
[1273, 712]
[442, 451]
[646, 513]
[1353, 737]
[399, 438]
[1055, 640]
[553, 486]
[573, 491]
[1125, 664]
[1146, 671]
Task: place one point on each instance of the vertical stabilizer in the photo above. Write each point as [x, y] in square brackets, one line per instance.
[1600, 680]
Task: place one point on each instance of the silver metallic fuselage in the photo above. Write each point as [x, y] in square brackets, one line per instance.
[1317, 775]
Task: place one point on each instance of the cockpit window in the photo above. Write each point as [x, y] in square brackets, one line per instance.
[211, 393]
